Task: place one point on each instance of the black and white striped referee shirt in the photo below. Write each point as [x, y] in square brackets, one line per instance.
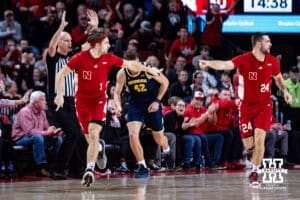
[56, 63]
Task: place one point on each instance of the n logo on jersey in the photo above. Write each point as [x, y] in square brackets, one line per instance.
[252, 76]
[87, 75]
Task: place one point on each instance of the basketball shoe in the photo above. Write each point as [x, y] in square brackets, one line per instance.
[140, 171]
[102, 158]
[253, 178]
[88, 178]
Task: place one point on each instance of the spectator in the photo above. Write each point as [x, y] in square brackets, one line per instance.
[212, 33]
[145, 37]
[172, 101]
[60, 7]
[226, 83]
[232, 147]
[171, 16]
[129, 17]
[31, 128]
[278, 134]
[9, 27]
[25, 72]
[181, 88]
[29, 12]
[172, 72]
[196, 118]
[133, 46]
[116, 34]
[160, 43]
[105, 15]
[204, 55]
[112, 134]
[291, 111]
[10, 56]
[78, 33]
[173, 124]
[39, 82]
[11, 92]
[5, 138]
[185, 46]
[198, 82]
[45, 27]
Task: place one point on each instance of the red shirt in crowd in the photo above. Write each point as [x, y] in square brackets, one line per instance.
[191, 112]
[30, 3]
[225, 115]
[78, 36]
[178, 47]
[212, 33]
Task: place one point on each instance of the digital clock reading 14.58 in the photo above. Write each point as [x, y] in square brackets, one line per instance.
[268, 6]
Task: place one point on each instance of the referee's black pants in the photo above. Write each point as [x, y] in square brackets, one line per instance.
[74, 145]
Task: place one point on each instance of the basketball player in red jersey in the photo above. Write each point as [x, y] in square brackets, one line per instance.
[256, 69]
[92, 67]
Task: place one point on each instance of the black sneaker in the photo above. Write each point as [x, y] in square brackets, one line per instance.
[42, 173]
[122, 168]
[287, 164]
[58, 175]
[140, 171]
[188, 166]
[102, 159]
[154, 167]
[88, 178]
[218, 167]
[253, 179]
[170, 161]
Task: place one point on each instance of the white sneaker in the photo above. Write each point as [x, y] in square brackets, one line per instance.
[102, 158]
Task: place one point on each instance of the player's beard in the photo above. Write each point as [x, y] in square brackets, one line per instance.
[264, 50]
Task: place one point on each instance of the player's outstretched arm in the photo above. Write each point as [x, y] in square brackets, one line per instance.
[59, 99]
[216, 64]
[118, 90]
[137, 66]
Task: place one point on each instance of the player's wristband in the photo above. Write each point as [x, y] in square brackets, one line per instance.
[157, 100]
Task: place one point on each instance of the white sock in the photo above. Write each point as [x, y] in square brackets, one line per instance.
[167, 150]
[91, 165]
[100, 147]
[142, 162]
[255, 168]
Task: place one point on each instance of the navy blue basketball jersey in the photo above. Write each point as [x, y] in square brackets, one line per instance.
[142, 89]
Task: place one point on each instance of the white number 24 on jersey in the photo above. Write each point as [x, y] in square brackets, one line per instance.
[264, 87]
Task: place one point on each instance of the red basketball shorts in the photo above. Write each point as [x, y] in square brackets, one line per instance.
[255, 116]
[90, 110]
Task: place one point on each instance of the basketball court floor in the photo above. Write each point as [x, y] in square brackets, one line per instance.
[191, 185]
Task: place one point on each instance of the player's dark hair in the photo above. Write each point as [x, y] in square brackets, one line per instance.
[129, 55]
[257, 37]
